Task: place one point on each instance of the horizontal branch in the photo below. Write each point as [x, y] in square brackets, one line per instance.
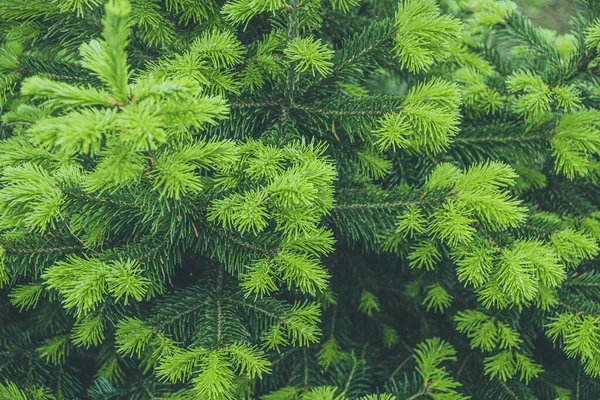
[342, 113]
[371, 206]
[239, 241]
[499, 139]
[258, 309]
[41, 250]
[90, 198]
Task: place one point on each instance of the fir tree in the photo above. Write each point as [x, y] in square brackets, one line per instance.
[298, 200]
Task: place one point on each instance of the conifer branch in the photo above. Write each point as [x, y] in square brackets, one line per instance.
[292, 33]
[61, 249]
[501, 139]
[367, 206]
[400, 366]
[252, 105]
[192, 193]
[507, 389]
[350, 376]
[341, 113]
[371, 39]
[522, 27]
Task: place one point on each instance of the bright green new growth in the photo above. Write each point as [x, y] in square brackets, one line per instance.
[437, 298]
[427, 121]
[580, 335]
[307, 53]
[592, 37]
[423, 34]
[143, 136]
[489, 335]
[576, 142]
[429, 356]
[294, 200]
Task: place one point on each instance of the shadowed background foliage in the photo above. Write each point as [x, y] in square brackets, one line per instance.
[550, 14]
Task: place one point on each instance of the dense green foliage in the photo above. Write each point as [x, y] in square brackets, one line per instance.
[298, 200]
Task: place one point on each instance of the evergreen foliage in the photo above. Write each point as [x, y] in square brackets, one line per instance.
[298, 200]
